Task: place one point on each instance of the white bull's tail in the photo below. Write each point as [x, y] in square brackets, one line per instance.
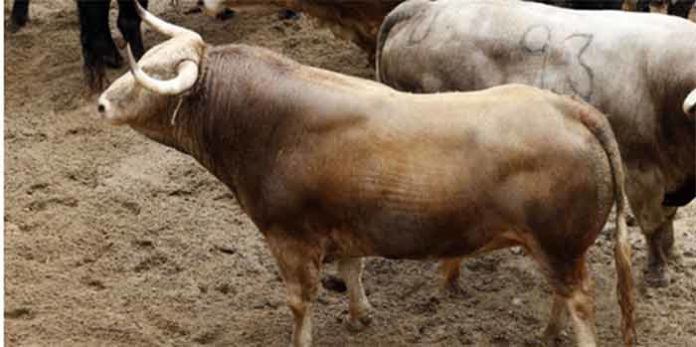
[690, 105]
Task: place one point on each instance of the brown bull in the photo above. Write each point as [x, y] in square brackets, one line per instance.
[332, 166]
[452, 45]
[357, 21]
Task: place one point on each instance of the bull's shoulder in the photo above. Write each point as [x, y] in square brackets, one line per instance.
[257, 53]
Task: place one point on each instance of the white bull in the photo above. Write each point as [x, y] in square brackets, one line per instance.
[639, 69]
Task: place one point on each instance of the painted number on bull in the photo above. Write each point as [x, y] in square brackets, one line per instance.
[563, 67]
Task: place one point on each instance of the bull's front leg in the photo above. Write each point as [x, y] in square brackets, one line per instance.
[359, 308]
[557, 322]
[299, 263]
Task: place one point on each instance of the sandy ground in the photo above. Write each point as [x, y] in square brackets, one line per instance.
[111, 239]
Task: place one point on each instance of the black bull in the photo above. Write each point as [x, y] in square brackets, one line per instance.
[98, 48]
[679, 8]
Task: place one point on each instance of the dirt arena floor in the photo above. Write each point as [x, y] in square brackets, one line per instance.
[111, 239]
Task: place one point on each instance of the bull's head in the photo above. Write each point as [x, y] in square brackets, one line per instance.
[690, 105]
[143, 92]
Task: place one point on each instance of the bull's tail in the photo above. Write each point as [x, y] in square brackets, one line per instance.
[400, 13]
[690, 105]
[598, 124]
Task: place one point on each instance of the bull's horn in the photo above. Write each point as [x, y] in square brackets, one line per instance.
[185, 79]
[161, 26]
[690, 104]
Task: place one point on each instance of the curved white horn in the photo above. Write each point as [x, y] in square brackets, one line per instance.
[160, 25]
[186, 78]
[690, 104]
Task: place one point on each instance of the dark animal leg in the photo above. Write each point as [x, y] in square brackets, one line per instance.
[98, 48]
[643, 5]
[299, 264]
[681, 8]
[129, 24]
[20, 15]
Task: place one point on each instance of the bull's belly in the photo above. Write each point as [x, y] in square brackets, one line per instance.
[423, 239]
[447, 243]
[471, 220]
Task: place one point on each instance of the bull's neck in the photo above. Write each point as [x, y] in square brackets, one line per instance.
[237, 125]
[176, 128]
[242, 114]
[253, 109]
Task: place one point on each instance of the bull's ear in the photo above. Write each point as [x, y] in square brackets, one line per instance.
[187, 74]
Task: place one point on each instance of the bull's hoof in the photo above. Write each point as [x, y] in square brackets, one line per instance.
[550, 341]
[14, 27]
[359, 324]
[547, 342]
[551, 338]
[17, 23]
[657, 277]
[453, 289]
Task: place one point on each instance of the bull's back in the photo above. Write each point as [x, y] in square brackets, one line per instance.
[472, 45]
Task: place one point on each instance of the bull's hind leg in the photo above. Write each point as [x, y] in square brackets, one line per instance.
[299, 264]
[572, 294]
[557, 322]
[581, 308]
[574, 286]
[359, 310]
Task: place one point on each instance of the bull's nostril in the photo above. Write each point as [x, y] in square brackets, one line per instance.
[101, 108]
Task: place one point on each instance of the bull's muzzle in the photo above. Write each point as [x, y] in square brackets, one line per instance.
[105, 109]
